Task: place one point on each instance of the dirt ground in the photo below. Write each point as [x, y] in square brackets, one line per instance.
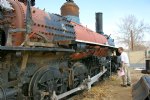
[110, 89]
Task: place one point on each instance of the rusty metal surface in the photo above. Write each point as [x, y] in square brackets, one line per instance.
[34, 71]
[101, 52]
[70, 8]
[34, 49]
[55, 27]
[17, 21]
[86, 35]
[141, 90]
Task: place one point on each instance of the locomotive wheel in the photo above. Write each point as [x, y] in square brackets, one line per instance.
[44, 82]
[80, 73]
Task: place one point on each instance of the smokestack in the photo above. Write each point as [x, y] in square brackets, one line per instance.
[99, 22]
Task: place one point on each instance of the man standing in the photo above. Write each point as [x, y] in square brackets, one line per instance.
[125, 65]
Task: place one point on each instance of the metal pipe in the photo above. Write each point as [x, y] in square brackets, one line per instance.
[95, 78]
[99, 23]
[85, 85]
[70, 92]
[5, 93]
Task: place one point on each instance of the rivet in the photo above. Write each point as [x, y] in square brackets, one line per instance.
[33, 11]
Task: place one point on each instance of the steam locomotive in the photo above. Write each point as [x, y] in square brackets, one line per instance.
[45, 56]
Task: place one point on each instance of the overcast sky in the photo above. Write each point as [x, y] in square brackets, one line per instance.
[113, 11]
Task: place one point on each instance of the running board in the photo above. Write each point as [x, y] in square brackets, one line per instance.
[141, 90]
[85, 85]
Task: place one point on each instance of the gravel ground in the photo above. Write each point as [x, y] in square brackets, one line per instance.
[110, 89]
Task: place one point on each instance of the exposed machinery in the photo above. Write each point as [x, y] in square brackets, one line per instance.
[47, 56]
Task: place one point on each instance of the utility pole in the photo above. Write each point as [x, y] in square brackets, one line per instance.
[132, 43]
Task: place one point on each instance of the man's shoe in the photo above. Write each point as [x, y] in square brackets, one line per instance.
[128, 84]
[123, 85]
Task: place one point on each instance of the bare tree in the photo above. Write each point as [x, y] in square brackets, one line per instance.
[131, 31]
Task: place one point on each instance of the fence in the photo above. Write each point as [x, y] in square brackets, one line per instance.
[137, 58]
